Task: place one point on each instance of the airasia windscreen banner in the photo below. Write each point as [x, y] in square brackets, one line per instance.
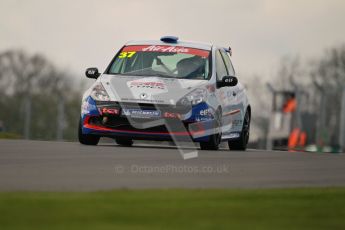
[166, 49]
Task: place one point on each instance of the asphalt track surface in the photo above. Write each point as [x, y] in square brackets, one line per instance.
[68, 166]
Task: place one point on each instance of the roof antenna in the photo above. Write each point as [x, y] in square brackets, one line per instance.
[169, 39]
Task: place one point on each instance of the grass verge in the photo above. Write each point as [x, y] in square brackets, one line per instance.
[308, 208]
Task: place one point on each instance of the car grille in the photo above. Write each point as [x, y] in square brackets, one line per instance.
[144, 106]
[122, 123]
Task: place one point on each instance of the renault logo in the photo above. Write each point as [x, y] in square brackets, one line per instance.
[143, 95]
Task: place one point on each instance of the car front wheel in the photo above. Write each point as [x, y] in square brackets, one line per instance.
[214, 139]
[241, 143]
[86, 139]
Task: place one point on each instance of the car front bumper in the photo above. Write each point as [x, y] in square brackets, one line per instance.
[164, 122]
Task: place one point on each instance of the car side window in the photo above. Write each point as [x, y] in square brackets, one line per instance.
[220, 66]
[228, 63]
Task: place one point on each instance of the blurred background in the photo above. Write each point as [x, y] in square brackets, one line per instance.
[290, 55]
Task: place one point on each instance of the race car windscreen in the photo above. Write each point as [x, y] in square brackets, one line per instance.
[163, 61]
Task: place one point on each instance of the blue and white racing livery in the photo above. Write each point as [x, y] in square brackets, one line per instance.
[167, 90]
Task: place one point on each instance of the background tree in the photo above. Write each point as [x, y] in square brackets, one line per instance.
[32, 90]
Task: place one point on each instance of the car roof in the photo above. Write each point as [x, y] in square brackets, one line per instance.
[190, 44]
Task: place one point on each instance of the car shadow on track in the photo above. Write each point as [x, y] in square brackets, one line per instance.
[141, 146]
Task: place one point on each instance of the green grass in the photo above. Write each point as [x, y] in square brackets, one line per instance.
[314, 208]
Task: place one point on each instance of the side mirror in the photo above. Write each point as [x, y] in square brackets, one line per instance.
[92, 73]
[228, 81]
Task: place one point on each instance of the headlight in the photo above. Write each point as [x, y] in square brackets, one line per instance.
[193, 98]
[98, 93]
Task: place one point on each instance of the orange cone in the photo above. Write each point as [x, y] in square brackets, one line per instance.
[293, 138]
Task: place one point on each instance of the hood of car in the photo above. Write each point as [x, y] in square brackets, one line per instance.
[139, 89]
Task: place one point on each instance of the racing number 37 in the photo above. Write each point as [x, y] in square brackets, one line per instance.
[126, 54]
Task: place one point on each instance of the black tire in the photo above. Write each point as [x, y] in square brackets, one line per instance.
[87, 139]
[124, 141]
[240, 144]
[214, 139]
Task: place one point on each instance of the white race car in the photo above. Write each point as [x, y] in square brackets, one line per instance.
[167, 90]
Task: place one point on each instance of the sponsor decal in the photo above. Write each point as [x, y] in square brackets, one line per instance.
[206, 112]
[164, 49]
[170, 49]
[171, 115]
[147, 84]
[144, 100]
[109, 111]
[138, 113]
[202, 118]
[127, 54]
